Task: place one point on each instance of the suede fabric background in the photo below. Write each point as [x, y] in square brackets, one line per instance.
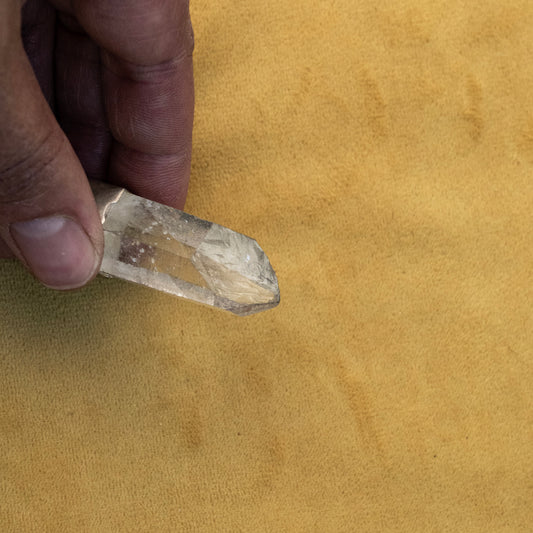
[383, 157]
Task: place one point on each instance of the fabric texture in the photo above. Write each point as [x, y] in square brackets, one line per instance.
[382, 155]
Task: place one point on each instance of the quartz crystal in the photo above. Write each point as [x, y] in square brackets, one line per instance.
[166, 249]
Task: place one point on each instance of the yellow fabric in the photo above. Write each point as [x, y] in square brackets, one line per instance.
[382, 154]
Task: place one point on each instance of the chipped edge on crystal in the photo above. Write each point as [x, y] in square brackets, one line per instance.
[105, 195]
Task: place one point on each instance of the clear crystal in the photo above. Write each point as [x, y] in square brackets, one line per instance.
[169, 250]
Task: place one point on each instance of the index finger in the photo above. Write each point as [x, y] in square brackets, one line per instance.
[148, 89]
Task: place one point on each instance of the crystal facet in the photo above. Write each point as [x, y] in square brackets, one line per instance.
[169, 250]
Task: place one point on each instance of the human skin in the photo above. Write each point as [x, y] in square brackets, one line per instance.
[98, 89]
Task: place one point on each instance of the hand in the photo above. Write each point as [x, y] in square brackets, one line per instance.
[110, 96]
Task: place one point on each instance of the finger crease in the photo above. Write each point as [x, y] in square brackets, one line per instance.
[146, 73]
[21, 181]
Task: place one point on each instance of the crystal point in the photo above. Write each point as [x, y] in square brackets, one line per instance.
[171, 251]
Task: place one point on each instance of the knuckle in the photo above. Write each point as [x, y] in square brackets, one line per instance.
[24, 177]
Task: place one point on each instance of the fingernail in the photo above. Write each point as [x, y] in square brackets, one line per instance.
[57, 250]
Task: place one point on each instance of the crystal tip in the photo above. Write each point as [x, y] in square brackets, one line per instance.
[262, 303]
[240, 275]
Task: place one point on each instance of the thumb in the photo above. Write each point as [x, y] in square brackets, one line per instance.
[48, 216]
